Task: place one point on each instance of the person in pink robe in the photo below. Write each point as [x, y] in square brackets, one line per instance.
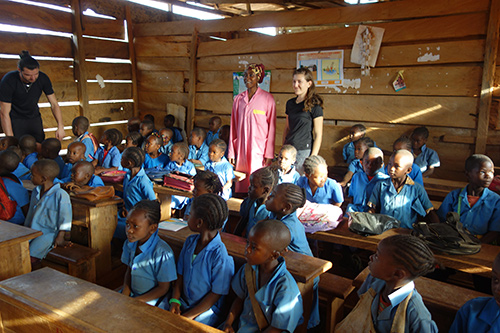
[253, 127]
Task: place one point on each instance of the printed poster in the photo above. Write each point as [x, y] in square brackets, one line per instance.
[327, 66]
[239, 84]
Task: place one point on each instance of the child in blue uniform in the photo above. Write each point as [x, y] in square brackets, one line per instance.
[150, 261]
[9, 161]
[357, 132]
[27, 143]
[276, 291]
[108, 157]
[166, 134]
[481, 314]
[50, 210]
[204, 182]
[389, 301]
[479, 207]
[154, 158]
[76, 153]
[204, 268]
[133, 139]
[21, 172]
[50, 149]
[214, 126]
[319, 187]
[169, 122]
[219, 165]
[80, 127]
[360, 147]
[415, 174]
[286, 168]
[8, 141]
[426, 158]
[82, 174]
[198, 149]
[362, 183]
[399, 196]
[283, 203]
[147, 128]
[178, 162]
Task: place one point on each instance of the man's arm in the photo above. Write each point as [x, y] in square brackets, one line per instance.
[5, 117]
[56, 111]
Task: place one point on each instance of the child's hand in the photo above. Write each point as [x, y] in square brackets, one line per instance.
[228, 328]
[62, 243]
[175, 308]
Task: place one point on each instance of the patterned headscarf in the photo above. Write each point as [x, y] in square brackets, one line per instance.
[258, 70]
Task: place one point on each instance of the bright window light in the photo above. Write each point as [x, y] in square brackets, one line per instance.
[271, 31]
[110, 60]
[198, 14]
[45, 5]
[16, 56]
[90, 12]
[154, 4]
[19, 29]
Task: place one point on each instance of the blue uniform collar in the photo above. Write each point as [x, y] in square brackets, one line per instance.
[400, 294]
[278, 271]
[490, 313]
[81, 136]
[148, 245]
[50, 192]
[214, 243]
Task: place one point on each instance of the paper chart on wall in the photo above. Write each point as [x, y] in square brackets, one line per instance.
[327, 66]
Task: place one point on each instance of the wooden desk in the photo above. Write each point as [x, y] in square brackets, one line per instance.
[15, 249]
[49, 301]
[439, 188]
[479, 263]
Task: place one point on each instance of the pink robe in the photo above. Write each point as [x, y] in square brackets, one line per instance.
[253, 128]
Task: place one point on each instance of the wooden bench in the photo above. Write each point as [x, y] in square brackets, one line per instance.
[333, 291]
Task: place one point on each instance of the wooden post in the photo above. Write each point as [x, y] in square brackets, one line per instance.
[131, 52]
[490, 57]
[193, 77]
[79, 55]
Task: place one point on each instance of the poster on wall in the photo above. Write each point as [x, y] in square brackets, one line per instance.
[239, 83]
[327, 66]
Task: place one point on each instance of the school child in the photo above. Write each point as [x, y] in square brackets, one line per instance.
[360, 147]
[150, 261]
[11, 187]
[27, 143]
[214, 126]
[80, 128]
[362, 183]
[136, 185]
[481, 314]
[133, 125]
[389, 301]
[108, 157]
[404, 142]
[286, 167]
[154, 158]
[253, 208]
[178, 162]
[76, 153]
[478, 207]
[319, 187]
[21, 172]
[275, 289]
[224, 135]
[166, 134]
[399, 196]
[8, 141]
[198, 149]
[50, 210]
[50, 149]
[283, 203]
[169, 122]
[133, 139]
[357, 132]
[219, 165]
[426, 158]
[82, 174]
[204, 268]
[147, 128]
[204, 182]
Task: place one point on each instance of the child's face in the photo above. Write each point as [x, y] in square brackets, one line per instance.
[36, 176]
[104, 140]
[193, 222]
[138, 228]
[481, 176]
[199, 188]
[318, 177]
[355, 134]
[129, 143]
[417, 141]
[381, 263]
[125, 163]
[75, 154]
[151, 145]
[79, 175]
[144, 130]
[398, 167]
[257, 250]
[215, 154]
[168, 123]
[371, 164]
[195, 140]
[276, 201]
[359, 149]
[76, 130]
[285, 160]
[495, 280]
[3, 144]
[176, 155]
[214, 125]
[256, 190]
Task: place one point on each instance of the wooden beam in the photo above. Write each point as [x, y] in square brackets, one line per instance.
[193, 76]
[79, 55]
[489, 66]
[131, 51]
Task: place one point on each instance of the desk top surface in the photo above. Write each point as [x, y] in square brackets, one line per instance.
[11, 233]
[90, 307]
[159, 189]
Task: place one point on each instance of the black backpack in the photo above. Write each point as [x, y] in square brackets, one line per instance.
[449, 237]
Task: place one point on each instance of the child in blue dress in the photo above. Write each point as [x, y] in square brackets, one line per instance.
[204, 267]
[198, 149]
[76, 153]
[14, 188]
[214, 125]
[169, 122]
[219, 165]
[415, 174]
[166, 134]
[133, 139]
[108, 157]
[27, 143]
[319, 187]
[150, 261]
[154, 158]
[356, 132]
[80, 127]
[276, 291]
[389, 301]
[178, 162]
[360, 147]
[286, 168]
[426, 158]
[478, 207]
[50, 149]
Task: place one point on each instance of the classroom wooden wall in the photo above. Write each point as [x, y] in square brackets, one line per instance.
[442, 94]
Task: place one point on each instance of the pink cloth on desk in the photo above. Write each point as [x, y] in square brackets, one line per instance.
[253, 129]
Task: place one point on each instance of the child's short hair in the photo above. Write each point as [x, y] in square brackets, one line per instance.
[135, 137]
[27, 144]
[212, 209]
[87, 167]
[149, 116]
[412, 253]
[135, 155]
[183, 149]
[216, 119]
[475, 161]
[374, 151]
[157, 139]
[51, 147]
[422, 131]
[77, 144]
[290, 149]
[16, 150]
[11, 141]
[148, 123]
[210, 179]
[403, 140]
[220, 144]
[82, 123]
[169, 118]
[151, 208]
[167, 130]
[294, 195]
[360, 127]
[268, 176]
[312, 162]
[366, 141]
[9, 160]
[114, 135]
[198, 131]
[277, 233]
[47, 168]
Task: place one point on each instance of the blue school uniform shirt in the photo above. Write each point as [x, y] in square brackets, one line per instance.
[167, 148]
[480, 314]
[94, 181]
[30, 159]
[200, 154]
[255, 211]
[61, 165]
[415, 174]
[177, 137]
[22, 172]
[405, 206]
[210, 271]
[50, 214]
[348, 152]
[291, 177]
[89, 146]
[418, 318]
[155, 263]
[427, 158]
[137, 189]
[113, 158]
[279, 299]
[484, 216]
[361, 190]
[355, 166]
[158, 162]
[225, 171]
[20, 195]
[178, 202]
[211, 136]
[330, 193]
[66, 171]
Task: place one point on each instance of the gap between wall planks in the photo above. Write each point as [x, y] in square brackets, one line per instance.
[193, 77]
[79, 56]
[131, 50]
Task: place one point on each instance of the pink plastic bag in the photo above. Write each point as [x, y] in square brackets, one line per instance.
[319, 217]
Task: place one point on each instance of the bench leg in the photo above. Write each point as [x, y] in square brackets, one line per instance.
[165, 201]
[85, 271]
[334, 313]
[306, 290]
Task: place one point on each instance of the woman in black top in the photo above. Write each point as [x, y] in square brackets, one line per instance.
[304, 117]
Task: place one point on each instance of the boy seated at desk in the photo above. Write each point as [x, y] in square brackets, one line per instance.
[214, 126]
[399, 196]
[82, 175]
[13, 188]
[286, 168]
[76, 153]
[80, 127]
[21, 172]
[198, 149]
[478, 207]
[147, 128]
[50, 149]
[426, 158]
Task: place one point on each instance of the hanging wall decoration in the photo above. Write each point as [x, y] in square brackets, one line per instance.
[366, 47]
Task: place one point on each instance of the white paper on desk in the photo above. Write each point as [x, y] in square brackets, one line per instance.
[172, 224]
